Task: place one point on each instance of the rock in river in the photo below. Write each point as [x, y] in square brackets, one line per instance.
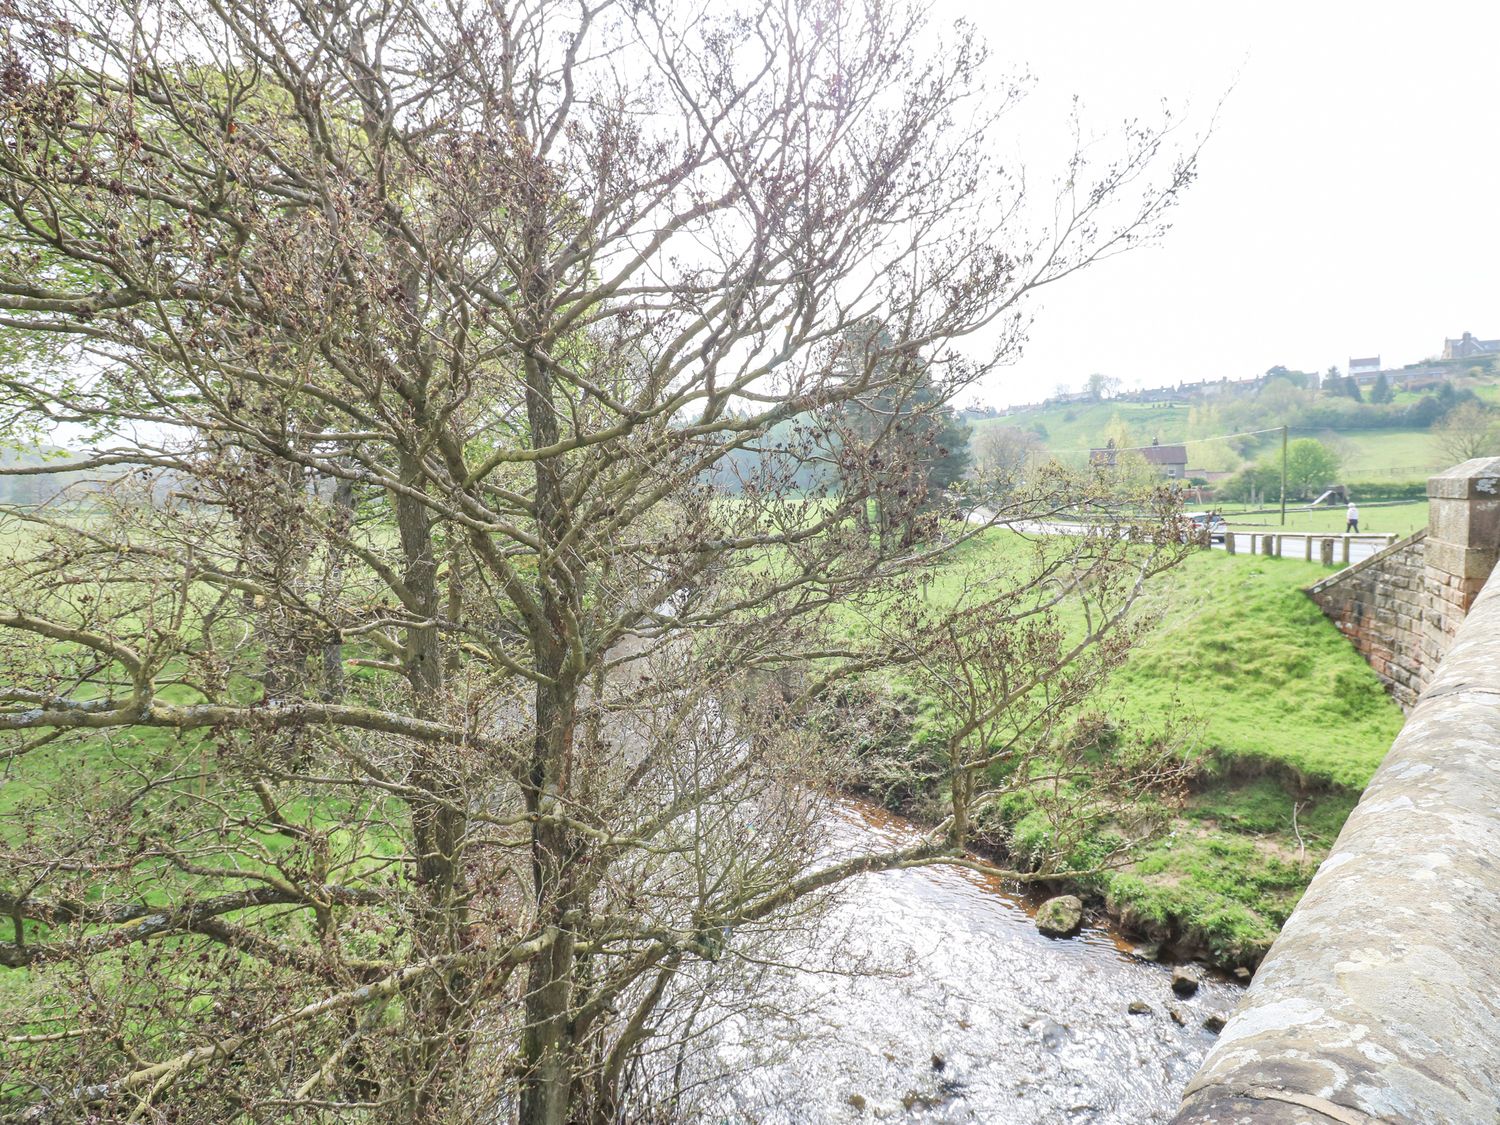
[1060, 916]
[1139, 1008]
[1185, 980]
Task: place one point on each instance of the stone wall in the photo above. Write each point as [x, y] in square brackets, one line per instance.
[1379, 604]
[1380, 999]
[1402, 607]
[1463, 531]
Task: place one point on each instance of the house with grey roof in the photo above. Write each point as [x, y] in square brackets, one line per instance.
[1469, 345]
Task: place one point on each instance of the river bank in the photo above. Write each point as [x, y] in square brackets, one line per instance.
[1280, 721]
[1148, 926]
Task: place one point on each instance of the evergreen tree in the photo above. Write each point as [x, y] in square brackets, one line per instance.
[1381, 391]
[926, 443]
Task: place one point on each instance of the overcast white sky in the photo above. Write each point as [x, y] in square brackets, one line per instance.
[1348, 202]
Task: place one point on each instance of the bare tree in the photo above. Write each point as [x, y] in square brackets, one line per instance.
[1468, 430]
[1102, 386]
[406, 709]
[1008, 452]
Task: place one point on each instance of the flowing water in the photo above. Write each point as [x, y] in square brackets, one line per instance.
[976, 1016]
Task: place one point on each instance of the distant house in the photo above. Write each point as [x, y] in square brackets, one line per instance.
[1169, 460]
[1467, 345]
[1156, 394]
[1069, 399]
[1364, 371]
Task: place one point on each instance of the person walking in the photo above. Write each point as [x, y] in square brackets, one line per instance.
[1352, 516]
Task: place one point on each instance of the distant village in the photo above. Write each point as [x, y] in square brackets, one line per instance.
[1364, 371]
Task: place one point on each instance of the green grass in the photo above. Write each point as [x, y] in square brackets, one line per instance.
[1239, 645]
[1399, 519]
[1387, 453]
[1084, 426]
[1293, 723]
[1277, 686]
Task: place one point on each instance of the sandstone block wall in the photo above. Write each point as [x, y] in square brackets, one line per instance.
[1380, 604]
[1401, 608]
[1463, 531]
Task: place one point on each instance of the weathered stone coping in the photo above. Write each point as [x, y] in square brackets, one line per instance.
[1380, 1000]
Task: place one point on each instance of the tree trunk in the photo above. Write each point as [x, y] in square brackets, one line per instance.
[548, 1047]
[438, 822]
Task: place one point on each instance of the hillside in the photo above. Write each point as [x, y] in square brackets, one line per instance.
[1373, 441]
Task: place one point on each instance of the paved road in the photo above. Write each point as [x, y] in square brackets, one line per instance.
[1293, 544]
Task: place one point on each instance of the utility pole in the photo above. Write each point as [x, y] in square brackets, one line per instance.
[1283, 476]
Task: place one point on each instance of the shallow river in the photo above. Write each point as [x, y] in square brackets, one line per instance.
[977, 1016]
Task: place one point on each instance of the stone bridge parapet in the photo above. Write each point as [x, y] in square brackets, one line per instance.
[1380, 1000]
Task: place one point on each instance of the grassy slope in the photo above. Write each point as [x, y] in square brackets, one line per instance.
[1381, 453]
[1293, 724]
[1276, 684]
[1082, 427]
[1389, 453]
[1238, 644]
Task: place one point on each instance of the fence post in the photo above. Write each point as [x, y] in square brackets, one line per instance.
[1325, 551]
[1307, 545]
[1229, 542]
[1267, 544]
[1346, 550]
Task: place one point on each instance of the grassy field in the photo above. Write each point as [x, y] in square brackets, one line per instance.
[1293, 724]
[1401, 519]
[1386, 453]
